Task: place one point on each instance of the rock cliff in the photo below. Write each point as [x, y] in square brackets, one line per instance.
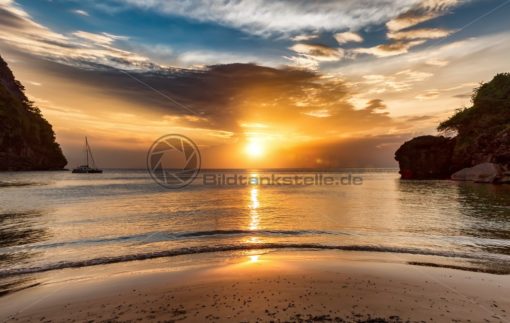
[27, 140]
[426, 157]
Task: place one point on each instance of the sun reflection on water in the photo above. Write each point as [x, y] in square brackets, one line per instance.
[254, 216]
[254, 213]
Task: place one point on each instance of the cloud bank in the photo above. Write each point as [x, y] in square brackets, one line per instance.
[275, 17]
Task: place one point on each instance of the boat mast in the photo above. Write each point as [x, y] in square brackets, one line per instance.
[87, 150]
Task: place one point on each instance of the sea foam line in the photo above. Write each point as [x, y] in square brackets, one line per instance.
[241, 247]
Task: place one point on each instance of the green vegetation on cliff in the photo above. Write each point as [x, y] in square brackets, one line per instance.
[483, 130]
[490, 110]
[27, 140]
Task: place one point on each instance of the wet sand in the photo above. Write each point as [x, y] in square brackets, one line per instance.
[281, 286]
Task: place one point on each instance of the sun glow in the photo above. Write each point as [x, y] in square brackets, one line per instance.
[255, 149]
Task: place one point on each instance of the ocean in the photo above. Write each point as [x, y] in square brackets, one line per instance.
[55, 220]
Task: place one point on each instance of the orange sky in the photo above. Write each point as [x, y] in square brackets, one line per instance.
[351, 104]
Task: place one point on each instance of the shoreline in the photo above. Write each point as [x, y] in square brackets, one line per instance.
[446, 259]
[281, 285]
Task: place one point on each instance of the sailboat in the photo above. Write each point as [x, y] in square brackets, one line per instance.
[86, 169]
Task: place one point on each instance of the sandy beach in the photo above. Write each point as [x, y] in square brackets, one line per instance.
[278, 286]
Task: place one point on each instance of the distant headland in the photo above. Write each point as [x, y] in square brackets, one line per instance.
[480, 150]
[27, 140]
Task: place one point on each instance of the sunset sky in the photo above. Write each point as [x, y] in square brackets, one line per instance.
[255, 83]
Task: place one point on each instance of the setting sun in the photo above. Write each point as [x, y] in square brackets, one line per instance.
[254, 149]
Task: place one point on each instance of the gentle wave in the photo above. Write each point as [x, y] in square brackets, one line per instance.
[170, 236]
[496, 271]
[20, 184]
[240, 247]
[255, 232]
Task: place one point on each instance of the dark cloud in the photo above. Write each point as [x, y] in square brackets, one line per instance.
[375, 104]
[222, 95]
[463, 95]
[420, 118]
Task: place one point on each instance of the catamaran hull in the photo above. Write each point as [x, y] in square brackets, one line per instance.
[90, 171]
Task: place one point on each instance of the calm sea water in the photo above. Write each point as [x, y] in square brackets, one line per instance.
[51, 220]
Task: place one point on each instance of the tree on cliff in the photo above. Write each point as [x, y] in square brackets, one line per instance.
[27, 140]
[483, 130]
[490, 110]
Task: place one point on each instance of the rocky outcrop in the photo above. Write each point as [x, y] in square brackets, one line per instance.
[489, 146]
[482, 137]
[426, 157]
[481, 173]
[27, 140]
